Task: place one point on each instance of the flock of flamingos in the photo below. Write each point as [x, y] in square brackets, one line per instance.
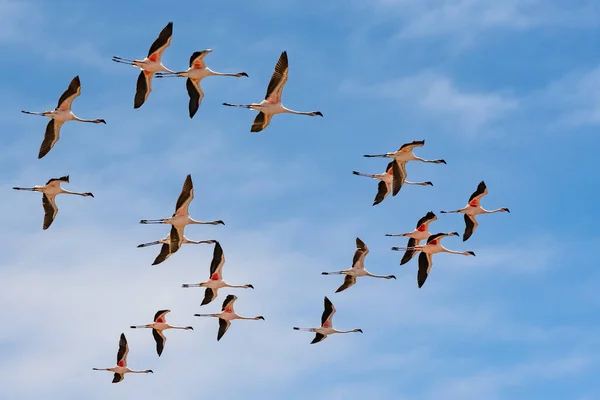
[390, 181]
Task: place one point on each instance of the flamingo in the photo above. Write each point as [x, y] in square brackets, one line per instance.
[271, 105]
[326, 327]
[61, 114]
[49, 191]
[216, 281]
[227, 315]
[181, 218]
[149, 65]
[473, 208]
[433, 246]
[121, 368]
[386, 180]
[194, 74]
[158, 326]
[170, 244]
[405, 153]
[358, 268]
[421, 232]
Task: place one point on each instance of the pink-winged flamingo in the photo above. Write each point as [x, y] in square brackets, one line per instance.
[474, 208]
[326, 327]
[421, 232]
[158, 326]
[433, 246]
[226, 315]
[215, 281]
[121, 368]
[149, 65]
[194, 74]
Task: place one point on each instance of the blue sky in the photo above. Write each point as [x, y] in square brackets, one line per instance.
[506, 92]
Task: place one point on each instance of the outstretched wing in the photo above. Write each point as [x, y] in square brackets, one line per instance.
[348, 281]
[51, 136]
[185, 197]
[216, 265]
[359, 255]
[209, 295]
[409, 146]
[399, 174]
[261, 121]
[328, 312]
[278, 79]
[165, 253]
[143, 88]
[160, 341]
[223, 326]
[117, 378]
[470, 225]
[409, 254]
[479, 193]
[50, 210]
[383, 189]
[161, 43]
[425, 264]
[318, 337]
[74, 90]
[196, 95]
[123, 350]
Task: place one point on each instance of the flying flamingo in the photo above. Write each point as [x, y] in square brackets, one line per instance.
[386, 179]
[121, 368]
[227, 315]
[158, 326]
[433, 246]
[194, 74]
[358, 268]
[149, 65]
[421, 232]
[50, 190]
[61, 114]
[170, 244]
[326, 327]
[271, 105]
[216, 281]
[181, 218]
[474, 208]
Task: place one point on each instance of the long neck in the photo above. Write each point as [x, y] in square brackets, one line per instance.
[187, 241]
[428, 161]
[193, 221]
[213, 73]
[416, 183]
[180, 327]
[76, 118]
[69, 192]
[225, 284]
[350, 331]
[445, 250]
[287, 110]
[491, 211]
[378, 276]
[145, 371]
[240, 317]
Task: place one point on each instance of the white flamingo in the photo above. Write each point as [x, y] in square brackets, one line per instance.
[326, 327]
[474, 208]
[216, 281]
[433, 246]
[271, 105]
[158, 326]
[194, 74]
[170, 244]
[386, 181]
[49, 192]
[181, 218]
[149, 65]
[61, 114]
[226, 315]
[358, 268]
[121, 368]
[421, 232]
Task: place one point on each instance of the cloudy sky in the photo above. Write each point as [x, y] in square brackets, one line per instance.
[506, 92]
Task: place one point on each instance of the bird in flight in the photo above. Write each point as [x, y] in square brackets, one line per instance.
[61, 114]
[474, 208]
[326, 327]
[49, 192]
[271, 105]
[121, 368]
[149, 65]
[158, 326]
[194, 74]
[226, 315]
